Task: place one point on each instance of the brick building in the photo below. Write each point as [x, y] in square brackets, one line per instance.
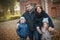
[52, 7]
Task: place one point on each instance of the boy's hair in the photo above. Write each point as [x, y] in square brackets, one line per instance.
[22, 18]
[45, 20]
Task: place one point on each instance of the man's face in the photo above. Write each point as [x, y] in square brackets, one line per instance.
[29, 7]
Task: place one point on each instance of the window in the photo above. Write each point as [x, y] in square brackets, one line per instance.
[55, 1]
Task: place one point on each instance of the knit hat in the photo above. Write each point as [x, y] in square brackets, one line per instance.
[45, 20]
[22, 18]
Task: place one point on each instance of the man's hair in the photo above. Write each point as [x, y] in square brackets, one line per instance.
[29, 4]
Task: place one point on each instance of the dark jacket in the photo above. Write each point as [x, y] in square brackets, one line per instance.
[22, 30]
[39, 18]
[30, 20]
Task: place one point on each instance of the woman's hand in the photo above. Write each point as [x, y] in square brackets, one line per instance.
[51, 29]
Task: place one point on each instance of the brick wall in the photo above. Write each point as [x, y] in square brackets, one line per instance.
[31, 1]
[53, 9]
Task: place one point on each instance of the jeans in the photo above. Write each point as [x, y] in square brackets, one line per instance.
[33, 35]
[39, 36]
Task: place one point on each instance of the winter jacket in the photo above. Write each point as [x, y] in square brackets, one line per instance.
[30, 20]
[22, 30]
[39, 18]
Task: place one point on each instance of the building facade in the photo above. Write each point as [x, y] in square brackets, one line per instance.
[52, 7]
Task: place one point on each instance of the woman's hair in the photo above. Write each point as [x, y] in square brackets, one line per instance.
[40, 8]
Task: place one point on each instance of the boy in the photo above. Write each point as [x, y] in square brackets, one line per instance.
[22, 29]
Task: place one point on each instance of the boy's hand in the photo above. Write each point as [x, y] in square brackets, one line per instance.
[17, 25]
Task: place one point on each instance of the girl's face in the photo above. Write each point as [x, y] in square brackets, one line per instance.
[38, 9]
[22, 21]
[45, 25]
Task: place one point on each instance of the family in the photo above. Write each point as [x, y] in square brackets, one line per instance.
[36, 24]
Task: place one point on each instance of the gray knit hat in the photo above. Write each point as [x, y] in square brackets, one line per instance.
[22, 18]
[45, 20]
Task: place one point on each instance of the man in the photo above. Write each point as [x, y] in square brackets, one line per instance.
[29, 16]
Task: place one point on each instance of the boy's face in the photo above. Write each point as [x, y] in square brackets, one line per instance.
[45, 25]
[22, 21]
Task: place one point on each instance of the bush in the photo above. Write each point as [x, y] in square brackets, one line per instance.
[2, 19]
[13, 18]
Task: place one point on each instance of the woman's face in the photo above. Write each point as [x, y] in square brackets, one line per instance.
[38, 9]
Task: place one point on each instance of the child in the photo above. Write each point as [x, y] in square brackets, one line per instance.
[45, 32]
[22, 29]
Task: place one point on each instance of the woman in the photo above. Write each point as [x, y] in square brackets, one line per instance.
[40, 14]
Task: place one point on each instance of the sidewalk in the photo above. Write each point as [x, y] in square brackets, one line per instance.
[56, 24]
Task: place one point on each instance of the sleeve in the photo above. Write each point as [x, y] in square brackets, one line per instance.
[50, 21]
[27, 30]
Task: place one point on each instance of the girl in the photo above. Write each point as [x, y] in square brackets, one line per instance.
[45, 32]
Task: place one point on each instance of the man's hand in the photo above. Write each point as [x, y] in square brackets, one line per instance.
[39, 30]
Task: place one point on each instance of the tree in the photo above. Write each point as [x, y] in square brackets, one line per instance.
[6, 4]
